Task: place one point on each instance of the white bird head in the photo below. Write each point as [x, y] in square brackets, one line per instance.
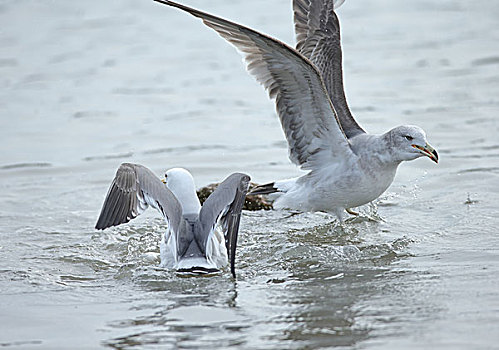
[181, 183]
[408, 142]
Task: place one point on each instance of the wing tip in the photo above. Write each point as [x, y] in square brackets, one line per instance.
[264, 189]
[100, 226]
[165, 2]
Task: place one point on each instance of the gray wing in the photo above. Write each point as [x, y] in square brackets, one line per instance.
[307, 15]
[133, 189]
[307, 116]
[224, 206]
[318, 38]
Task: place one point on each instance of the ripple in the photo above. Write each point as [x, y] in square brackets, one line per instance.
[96, 264]
[93, 114]
[386, 252]
[485, 61]
[25, 165]
[143, 91]
[21, 343]
[109, 156]
[71, 278]
[479, 170]
[191, 148]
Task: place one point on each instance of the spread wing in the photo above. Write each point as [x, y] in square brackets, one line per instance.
[318, 38]
[307, 116]
[133, 190]
[224, 207]
[307, 16]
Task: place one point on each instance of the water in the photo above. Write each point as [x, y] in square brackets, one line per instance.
[88, 85]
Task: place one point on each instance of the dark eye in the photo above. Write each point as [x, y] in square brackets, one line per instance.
[409, 138]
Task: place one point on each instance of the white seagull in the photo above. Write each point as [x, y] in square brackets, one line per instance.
[199, 239]
[346, 166]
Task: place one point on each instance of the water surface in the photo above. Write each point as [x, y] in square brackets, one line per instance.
[88, 85]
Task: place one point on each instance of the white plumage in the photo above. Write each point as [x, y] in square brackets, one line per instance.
[199, 239]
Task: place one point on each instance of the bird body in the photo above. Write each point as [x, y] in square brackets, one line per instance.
[194, 260]
[199, 239]
[346, 167]
[345, 184]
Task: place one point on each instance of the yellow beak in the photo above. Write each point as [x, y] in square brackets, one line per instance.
[428, 151]
[163, 181]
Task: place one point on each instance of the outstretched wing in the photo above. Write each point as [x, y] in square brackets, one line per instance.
[308, 15]
[224, 207]
[318, 38]
[307, 116]
[133, 189]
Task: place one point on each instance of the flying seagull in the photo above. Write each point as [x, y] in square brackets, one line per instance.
[346, 166]
[199, 240]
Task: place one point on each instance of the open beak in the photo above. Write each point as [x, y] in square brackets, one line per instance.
[428, 151]
[163, 181]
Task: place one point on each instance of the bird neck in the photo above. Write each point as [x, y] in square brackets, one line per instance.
[374, 149]
[189, 202]
[388, 154]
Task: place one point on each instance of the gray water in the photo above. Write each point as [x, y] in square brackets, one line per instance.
[87, 85]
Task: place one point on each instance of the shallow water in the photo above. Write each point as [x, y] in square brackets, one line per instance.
[88, 85]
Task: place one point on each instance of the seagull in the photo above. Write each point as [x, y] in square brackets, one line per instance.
[346, 167]
[199, 239]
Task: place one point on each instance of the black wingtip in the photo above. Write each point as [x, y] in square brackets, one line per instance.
[264, 189]
[101, 225]
[172, 3]
[233, 263]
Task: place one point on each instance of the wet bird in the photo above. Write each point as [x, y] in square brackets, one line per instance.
[199, 239]
[346, 167]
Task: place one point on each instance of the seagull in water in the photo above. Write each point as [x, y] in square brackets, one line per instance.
[199, 239]
[346, 166]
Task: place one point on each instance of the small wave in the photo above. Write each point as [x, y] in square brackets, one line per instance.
[386, 252]
[71, 278]
[21, 343]
[142, 91]
[109, 156]
[93, 114]
[185, 149]
[485, 61]
[25, 165]
[480, 170]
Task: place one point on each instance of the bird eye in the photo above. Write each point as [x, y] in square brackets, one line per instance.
[409, 138]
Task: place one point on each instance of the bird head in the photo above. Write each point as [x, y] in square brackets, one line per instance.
[409, 142]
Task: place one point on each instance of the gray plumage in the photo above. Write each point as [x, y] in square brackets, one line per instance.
[307, 116]
[318, 38]
[226, 203]
[347, 167]
[135, 188]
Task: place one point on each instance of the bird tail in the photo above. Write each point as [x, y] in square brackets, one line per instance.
[264, 189]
